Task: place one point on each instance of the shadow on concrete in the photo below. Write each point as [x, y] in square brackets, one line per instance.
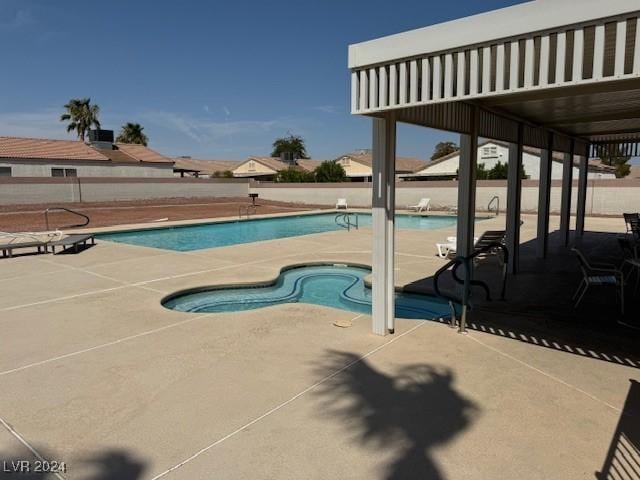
[115, 464]
[539, 307]
[112, 464]
[405, 414]
[75, 250]
[623, 458]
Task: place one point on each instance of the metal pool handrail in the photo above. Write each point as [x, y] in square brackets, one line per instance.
[467, 282]
[247, 209]
[346, 217]
[495, 199]
[52, 209]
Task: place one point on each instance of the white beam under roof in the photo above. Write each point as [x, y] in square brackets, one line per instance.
[555, 65]
[485, 28]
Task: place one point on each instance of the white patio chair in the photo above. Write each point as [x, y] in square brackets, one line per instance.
[449, 248]
[341, 203]
[603, 274]
[423, 204]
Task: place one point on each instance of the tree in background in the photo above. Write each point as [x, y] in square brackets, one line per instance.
[81, 116]
[294, 175]
[222, 174]
[481, 172]
[500, 171]
[444, 148]
[132, 133]
[617, 160]
[292, 145]
[330, 171]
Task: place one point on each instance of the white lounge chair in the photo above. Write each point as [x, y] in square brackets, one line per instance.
[449, 248]
[39, 240]
[423, 204]
[341, 203]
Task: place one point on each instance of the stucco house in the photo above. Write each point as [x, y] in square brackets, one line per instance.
[266, 168]
[193, 167]
[359, 165]
[491, 152]
[38, 157]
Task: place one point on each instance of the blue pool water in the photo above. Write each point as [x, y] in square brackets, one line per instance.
[333, 286]
[195, 237]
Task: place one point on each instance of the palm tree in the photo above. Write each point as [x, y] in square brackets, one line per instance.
[132, 133]
[81, 116]
[330, 171]
[292, 144]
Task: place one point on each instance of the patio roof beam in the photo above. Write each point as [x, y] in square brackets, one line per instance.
[528, 69]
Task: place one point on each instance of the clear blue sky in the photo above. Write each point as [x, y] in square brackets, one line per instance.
[210, 79]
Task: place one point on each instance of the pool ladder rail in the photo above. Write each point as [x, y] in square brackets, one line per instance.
[246, 209]
[68, 210]
[467, 282]
[344, 220]
[494, 202]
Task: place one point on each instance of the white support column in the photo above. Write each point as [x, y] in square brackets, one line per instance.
[390, 165]
[467, 205]
[565, 199]
[384, 140]
[544, 198]
[514, 192]
[582, 196]
[467, 186]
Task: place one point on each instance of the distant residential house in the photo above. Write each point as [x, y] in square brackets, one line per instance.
[202, 168]
[37, 157]
[358, 165]
[492, 152]
[266, 168]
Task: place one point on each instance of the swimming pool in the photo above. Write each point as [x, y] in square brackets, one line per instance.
[210, 235]
[337, 286]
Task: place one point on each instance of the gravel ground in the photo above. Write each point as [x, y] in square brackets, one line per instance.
[16, 218]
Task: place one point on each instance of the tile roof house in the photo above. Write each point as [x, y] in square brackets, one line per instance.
[491, 152]
[37, 157]
[266, 168]
[358, 165]
[199, 168]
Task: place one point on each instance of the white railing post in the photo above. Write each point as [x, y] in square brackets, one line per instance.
[402, 83]
[513, 65]
[578, 54]
[528, 62]
[354, 92]
[621, 41]
[413, 84]
[426, 77]
[437, 77]
[598, 52]
[500, 67]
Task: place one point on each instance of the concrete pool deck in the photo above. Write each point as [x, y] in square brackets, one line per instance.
[96, 373]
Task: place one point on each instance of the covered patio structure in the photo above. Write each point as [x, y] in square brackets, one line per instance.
[555, 75]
